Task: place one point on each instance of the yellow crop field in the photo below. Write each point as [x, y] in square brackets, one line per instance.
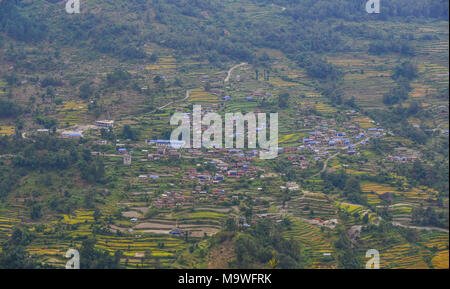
[71, 112]
[402, 256]
[282, 83]
[377, 188]
[200, 95]
[350, 208]
[312, 240]
[362, 119]
[441, 260]
[37, 251]
[413, 194]
[312, 94]
[81, 216]
[324, 108]
[72, 106]
[432, 68]
[438, 241]
[419, 194]
[436, 46]
[357, 173]
[352, 62]
[364, 122]
[289, 138]
[421, 90]
[366, 74]
[7, 130]
[163, 63]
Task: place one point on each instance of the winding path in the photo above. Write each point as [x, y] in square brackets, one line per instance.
[325, 164]
[419, 227]
[231, 70]
[225, 80]
[187, 96]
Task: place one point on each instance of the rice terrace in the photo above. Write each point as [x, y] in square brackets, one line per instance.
[87, 162]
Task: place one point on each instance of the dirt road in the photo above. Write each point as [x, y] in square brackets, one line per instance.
[187, 96]
[231, 70]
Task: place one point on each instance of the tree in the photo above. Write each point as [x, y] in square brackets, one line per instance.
[85, 90]
[352, 191]
[92, 258]
[230, 225]
[129, 133]
[407, 70]
[36, 212]
[283, 100]
[352, 186]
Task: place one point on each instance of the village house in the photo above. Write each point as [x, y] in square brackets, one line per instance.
[404, 155]
[71, 134]
[127, 159]
[105, 123]
[166, 143]
[43, 130]
[174, 154]
[292, 186]
[101, 142]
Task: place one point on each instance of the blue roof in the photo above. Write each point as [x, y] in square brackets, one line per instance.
[165, 141]
[160, 141]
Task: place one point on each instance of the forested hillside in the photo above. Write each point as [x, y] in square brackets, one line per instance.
[363, 133]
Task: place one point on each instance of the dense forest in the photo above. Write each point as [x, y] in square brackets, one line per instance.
[228, 36]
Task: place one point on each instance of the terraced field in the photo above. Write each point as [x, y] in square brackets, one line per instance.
[7, 130]
[163, 63]
[200, 95]
[138, 249]
[414, 195]
[71, 113]
[398, 254]
[313, 243]
[440, 261]
[312, 205]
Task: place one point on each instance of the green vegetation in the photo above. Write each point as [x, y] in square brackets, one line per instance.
[362, 102]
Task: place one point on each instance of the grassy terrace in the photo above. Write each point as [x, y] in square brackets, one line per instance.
[396, 253]
[133, 219]
[314, 243]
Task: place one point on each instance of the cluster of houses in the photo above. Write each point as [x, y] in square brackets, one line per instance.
[164, 152]
[231, 170]
[298, 161]
[324, 138]
[403, 155]
[171, 200]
